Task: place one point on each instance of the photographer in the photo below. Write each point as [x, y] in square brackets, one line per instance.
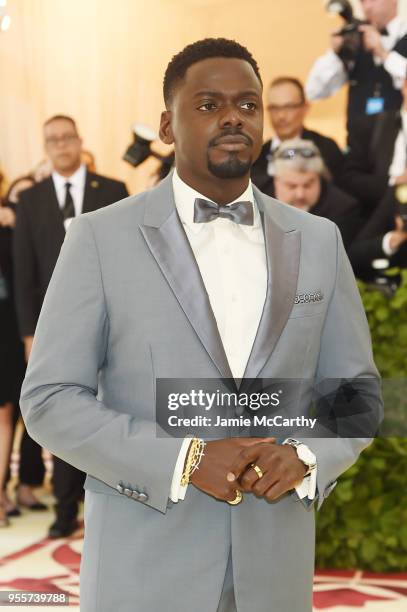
[377, 69]
[377, 155]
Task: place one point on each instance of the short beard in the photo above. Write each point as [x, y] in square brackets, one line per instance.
[233, 168]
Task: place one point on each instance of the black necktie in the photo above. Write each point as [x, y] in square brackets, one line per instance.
[239, 212]
[68, 210]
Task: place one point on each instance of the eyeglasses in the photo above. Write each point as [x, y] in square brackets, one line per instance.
[65, 139]
[285, 108]
[295, 152]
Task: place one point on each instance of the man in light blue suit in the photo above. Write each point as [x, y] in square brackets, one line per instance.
[201, 277]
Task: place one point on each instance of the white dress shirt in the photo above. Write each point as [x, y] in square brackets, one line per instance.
[77, 181]
[233, 266]
[328, 73]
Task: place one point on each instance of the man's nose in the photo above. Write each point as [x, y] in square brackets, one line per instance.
[231, 117]
[300, 193]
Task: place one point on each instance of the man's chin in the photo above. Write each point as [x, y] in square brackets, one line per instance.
[231, 169]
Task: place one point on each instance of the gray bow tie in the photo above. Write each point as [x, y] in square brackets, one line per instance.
[239, 212]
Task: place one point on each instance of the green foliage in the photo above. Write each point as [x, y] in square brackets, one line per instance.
[363, 523]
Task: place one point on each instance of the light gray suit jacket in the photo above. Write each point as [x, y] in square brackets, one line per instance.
[126, 305]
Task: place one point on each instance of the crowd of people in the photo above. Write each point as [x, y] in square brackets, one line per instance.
[363, 189]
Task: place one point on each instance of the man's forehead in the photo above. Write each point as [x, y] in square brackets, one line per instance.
[284, 90]
[298, 177]
[59, 125]
[220, 73]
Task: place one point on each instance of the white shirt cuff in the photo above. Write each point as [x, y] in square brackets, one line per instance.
[307, 488]
[308, 485]
[386, 248]
[396, 66]
[178, 490]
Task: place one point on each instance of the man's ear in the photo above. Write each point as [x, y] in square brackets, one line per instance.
[165, 131]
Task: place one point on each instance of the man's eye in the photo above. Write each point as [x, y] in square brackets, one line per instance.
[249, 106]
[208, 106]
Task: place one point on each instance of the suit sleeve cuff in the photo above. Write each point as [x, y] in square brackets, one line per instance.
[178, 491]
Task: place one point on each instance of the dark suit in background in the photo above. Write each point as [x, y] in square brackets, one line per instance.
[330, 153]
[341, 208]
[368, 244]
[38, 238]
[371, 149]
[12, 367]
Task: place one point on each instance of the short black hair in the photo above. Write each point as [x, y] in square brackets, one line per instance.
[58, 118]
[201, 50]
[283, 80]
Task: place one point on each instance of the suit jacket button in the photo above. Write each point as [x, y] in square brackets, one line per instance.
[120, 488]
[143, 497]
[128, 492]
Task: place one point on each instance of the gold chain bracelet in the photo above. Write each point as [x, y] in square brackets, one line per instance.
[195, 454]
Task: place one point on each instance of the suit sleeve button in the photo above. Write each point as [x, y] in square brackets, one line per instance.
[143, 497]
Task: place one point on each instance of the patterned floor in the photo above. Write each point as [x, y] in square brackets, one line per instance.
[31, 562]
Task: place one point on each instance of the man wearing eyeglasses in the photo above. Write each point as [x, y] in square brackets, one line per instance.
[287, 109]
[44, 213]
[301, 181]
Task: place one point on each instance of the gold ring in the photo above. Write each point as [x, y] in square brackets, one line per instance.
[237, 499]
[257, 470]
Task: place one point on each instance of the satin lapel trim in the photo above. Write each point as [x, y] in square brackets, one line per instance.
[283, 259]
[170, 247]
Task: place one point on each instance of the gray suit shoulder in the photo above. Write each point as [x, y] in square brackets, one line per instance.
[130, 207]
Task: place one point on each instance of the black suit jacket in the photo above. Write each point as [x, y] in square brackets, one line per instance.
[39, 235]
[342, 209]
[371, 148]
[368, 244]
[11, 349]
[330, 153]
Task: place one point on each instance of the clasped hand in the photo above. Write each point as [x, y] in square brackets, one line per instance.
[226, 467]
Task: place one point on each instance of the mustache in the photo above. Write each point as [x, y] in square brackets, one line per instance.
[230, 132]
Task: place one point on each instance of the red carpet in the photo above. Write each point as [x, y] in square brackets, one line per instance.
[53, 566]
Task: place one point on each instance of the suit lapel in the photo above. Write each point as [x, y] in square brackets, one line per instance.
[91, 197]
[169, 245]
[52, 213]
[283, 247]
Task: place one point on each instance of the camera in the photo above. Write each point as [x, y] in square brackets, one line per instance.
[350, 32]
[140, 150]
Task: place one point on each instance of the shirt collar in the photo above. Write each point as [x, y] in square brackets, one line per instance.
[77, 179]
[185, 196]
[276, 142]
